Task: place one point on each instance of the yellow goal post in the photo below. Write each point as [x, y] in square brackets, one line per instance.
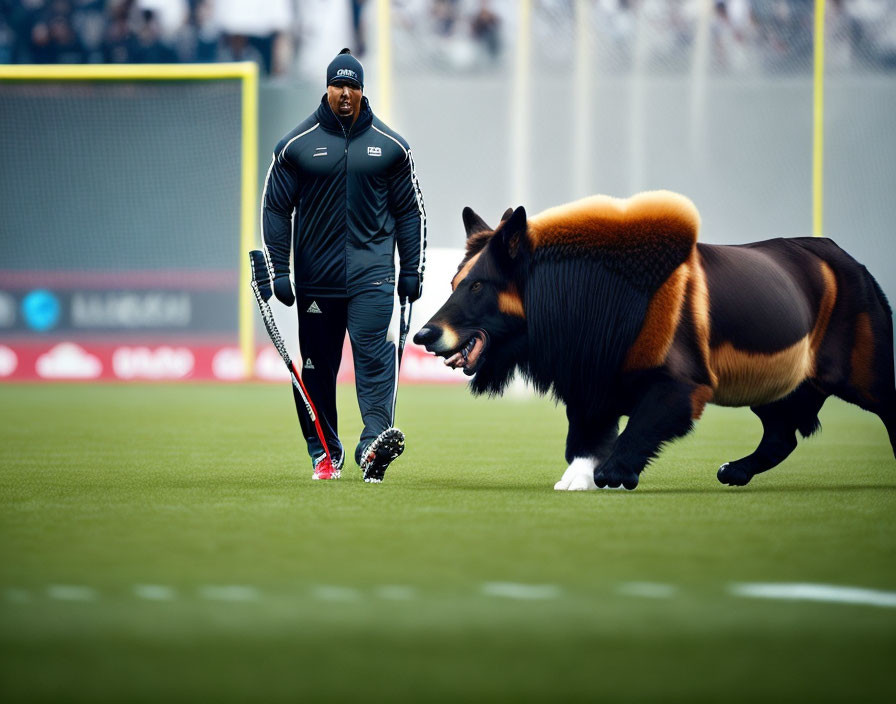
[247, 73]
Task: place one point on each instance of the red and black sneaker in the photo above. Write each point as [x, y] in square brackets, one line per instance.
[379, 454]
[324, 468]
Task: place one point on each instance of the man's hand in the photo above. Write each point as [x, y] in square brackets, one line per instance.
[283, 289]
[410, 286]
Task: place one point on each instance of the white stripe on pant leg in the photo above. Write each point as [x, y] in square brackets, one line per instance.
[394, 388]
[393, 335]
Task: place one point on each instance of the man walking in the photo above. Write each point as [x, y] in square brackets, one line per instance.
[340, 195]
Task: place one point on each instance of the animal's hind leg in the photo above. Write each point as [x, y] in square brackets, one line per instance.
[886, 411]
[780, 422]
[881, 401]
[888, 416]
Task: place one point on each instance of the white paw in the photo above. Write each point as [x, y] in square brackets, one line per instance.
[579, 476]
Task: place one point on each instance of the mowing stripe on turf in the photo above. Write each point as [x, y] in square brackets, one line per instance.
[513, 590]
[816, 592]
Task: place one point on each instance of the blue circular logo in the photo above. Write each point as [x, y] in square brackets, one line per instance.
[40, 310]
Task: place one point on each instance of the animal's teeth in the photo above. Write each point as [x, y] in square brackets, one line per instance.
[453, 360]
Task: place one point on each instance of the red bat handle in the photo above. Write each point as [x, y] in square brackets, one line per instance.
[315, 415]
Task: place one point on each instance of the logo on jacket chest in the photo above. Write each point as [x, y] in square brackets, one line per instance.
[374, 151]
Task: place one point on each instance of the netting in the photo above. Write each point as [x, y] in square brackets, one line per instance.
[120, 208]
[120, 175]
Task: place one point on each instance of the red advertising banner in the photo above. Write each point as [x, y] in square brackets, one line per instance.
[103, 360]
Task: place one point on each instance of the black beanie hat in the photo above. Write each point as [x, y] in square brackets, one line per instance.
[345, 67]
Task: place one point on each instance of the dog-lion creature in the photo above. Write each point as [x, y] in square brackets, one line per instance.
[614, 307]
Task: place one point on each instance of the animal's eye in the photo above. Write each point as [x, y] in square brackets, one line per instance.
[477, 285]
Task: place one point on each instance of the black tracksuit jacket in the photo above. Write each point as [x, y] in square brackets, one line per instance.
[344, 197]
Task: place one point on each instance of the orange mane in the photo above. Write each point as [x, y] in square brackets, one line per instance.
[652, 218]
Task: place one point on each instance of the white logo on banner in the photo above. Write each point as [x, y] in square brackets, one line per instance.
[270, 366]
[227, 364]
[131, 310]
[146, 363]
[8, 361]
[68, 361]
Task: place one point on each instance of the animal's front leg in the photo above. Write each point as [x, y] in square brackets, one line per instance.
[587, 444]
[662, 413]
[579, 476]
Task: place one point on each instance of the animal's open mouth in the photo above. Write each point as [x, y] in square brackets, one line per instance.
[469, 357]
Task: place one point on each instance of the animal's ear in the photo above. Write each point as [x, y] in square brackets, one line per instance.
[513, 232]
[507, 214]
[473, 223]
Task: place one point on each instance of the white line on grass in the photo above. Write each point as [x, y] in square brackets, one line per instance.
[396, 592]
[71, 592]
[816, 592]
[18, 596]
[229, 592]
[648, 590]
[154, 592]
[507, 590]
[514, 590]
[326, 592]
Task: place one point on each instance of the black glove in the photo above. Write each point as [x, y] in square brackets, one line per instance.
[283, 289]
[410, 286]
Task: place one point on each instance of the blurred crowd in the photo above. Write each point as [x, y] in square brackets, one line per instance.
[145, 31]
[289, 37]
[770, 36]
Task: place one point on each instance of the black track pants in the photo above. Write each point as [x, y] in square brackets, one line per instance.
[322, 325]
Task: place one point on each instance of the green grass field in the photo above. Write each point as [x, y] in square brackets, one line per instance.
[163, 543]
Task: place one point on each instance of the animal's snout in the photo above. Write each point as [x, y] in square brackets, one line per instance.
[427, 335]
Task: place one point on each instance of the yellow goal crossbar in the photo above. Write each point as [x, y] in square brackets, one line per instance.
[244, 71]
